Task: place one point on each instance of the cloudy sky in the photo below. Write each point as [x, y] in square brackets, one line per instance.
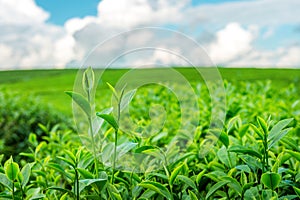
[57, 34]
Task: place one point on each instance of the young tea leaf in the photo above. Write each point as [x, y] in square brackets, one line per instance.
[271, 180]
[5, 181]
[174, 174]
[192, 195]
[88, 80]
[226, 157]
[234, 184]
[215, 187]
[262, 124]
[200, 175]
[11, 169]
[243, 130]
[81, 101]
[127, 99]
[26, 174]
[86, 182]
[223, 137]
[276, 130]
[244, 150]
[257, 131]
[187, 181]
[294, 154]
[125, 148]
[85, 174]
[278, 137]
[157, 187]
[243, 168]
[113, 91]
[109, 119]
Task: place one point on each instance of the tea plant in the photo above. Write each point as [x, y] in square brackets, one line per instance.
[256, 155]
[20, 116]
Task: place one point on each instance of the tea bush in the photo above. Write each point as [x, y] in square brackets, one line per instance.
[256, 155]
[20, 116]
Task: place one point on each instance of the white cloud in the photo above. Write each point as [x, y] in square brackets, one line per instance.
[280, 57]
[239, 25]
[131, 13]
[291, 57]
[231, 42]
[5, 54]
[26, 39]
[21, 12]
[124, 13]
[258, 12]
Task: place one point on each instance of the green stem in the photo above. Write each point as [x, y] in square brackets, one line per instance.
[263, 162]
[22, 192]
[119, 111]
[94, 146]
[115, 156]
[116, 142]
[92, 135]
[266, 153]
[267, 159]
[13, 190]
[77, 183]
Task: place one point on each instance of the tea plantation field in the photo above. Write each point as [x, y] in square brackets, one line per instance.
[49, 85]
[156, 143]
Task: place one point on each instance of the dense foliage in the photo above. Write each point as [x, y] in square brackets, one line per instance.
[20, 116]
[256, 155]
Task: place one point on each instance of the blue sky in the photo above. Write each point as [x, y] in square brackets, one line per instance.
[238, 33]
[61, 11]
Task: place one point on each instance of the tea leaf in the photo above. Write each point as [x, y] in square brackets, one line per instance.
[109, 119]
[262, 124]
[294, 154]
[81, 101]
[278, 136]
[113, 91]
[187, 181]
[223, 137]
[124, 148]
[200, 175]
[174, 174]
[228, 158]
[297, 191]
[276, 130]
[62, 190]
[127, 99]
[86, 182]
[157, 187]
[11, 169]
[26, 170]
[244, 150]
[234, 184]
[271, 179]
[5, 181]
[243, 130]
[244, 168]
[68, 161]
[88, 79]
[215, 187]
[86, 174]
[257, 131]
[192, 195]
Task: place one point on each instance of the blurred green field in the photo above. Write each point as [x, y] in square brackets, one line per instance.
[49, 85]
